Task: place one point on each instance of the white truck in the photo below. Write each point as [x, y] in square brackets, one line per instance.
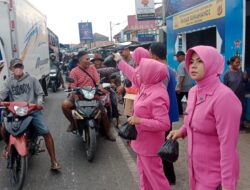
[24, 35]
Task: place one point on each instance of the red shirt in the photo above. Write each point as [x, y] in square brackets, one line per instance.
[81, 79]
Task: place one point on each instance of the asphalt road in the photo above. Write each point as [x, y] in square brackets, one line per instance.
[112, 168]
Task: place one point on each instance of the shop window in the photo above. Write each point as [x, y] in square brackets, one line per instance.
[203, 37]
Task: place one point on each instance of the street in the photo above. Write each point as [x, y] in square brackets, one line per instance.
[114, 167]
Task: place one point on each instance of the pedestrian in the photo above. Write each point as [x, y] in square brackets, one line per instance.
[109, 61]
[235, 79]
[105, 75]
[73, 62]
[158, 52]
[55, 64]
[125, 53]
[211, 124]
[150, 117]
[138, 54]
[184, 80]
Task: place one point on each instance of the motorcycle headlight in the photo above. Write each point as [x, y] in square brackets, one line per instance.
[52, 74]
[21, 111]
[88, 94]
[53, 71]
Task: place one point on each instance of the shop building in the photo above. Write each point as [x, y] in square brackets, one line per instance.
[223, 24]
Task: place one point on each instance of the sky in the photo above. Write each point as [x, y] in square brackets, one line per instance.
[63, 16]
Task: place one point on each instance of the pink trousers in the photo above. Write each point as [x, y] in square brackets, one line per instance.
[199, 186]
[151, 173]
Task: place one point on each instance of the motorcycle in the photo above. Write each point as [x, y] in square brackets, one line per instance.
[54, 81]
[23, 141]
[87, 114]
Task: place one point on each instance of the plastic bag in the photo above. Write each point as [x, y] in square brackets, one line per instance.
[169, 151]
[127, 131]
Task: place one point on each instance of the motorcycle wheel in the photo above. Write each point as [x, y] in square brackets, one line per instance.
[17, 169]
[90, 134]
[54, 88]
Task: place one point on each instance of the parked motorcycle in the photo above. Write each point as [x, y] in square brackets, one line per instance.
[23, 141]
[54, 82]
[87, 114]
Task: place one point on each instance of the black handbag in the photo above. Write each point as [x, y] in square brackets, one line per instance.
[169, 151]
[127, 131]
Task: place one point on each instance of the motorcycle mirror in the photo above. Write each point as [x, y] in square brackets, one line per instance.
[70, 80]
[102, 80]
[106, 85]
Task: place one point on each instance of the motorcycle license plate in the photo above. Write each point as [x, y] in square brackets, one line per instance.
[88, 103]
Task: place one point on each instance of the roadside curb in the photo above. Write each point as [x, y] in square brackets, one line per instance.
[127, 156]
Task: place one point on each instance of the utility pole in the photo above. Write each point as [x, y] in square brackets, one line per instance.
[110, 27]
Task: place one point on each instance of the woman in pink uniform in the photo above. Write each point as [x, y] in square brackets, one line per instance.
[151, 120]
[211, 124]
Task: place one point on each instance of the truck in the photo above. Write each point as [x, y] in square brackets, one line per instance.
[24, 35]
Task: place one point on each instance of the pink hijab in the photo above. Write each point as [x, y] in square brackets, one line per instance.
[140, 53]
[151, 74]
[212, 59]
[151, 71]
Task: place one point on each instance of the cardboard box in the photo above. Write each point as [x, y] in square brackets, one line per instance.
[128, 104]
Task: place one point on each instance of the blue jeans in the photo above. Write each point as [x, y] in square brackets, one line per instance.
[38, 122]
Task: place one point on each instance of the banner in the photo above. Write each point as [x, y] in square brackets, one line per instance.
[85, 31]
[145, 9]
[212, 10]
[146, 37]
[176, 6]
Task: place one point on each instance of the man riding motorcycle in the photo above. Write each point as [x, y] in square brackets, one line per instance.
[84, 75]
[24, 87]
[53, 64]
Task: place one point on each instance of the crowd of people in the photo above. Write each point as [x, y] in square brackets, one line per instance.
[212, 133]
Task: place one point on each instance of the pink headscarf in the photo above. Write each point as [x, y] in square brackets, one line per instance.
[212, 59]
[151, 71]
[140, 53]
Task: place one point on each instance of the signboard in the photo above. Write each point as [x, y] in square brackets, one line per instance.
[206, 12]
[175, 6]
[224, 15]
[146, 37]
[85, 31]
[145, 9]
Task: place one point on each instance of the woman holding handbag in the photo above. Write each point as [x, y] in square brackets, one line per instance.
[211, 124]
[151, 120]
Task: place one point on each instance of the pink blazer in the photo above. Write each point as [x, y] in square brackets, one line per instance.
[211, 124]
[151, 105]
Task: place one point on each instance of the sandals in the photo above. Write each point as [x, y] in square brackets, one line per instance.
[55, 166]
